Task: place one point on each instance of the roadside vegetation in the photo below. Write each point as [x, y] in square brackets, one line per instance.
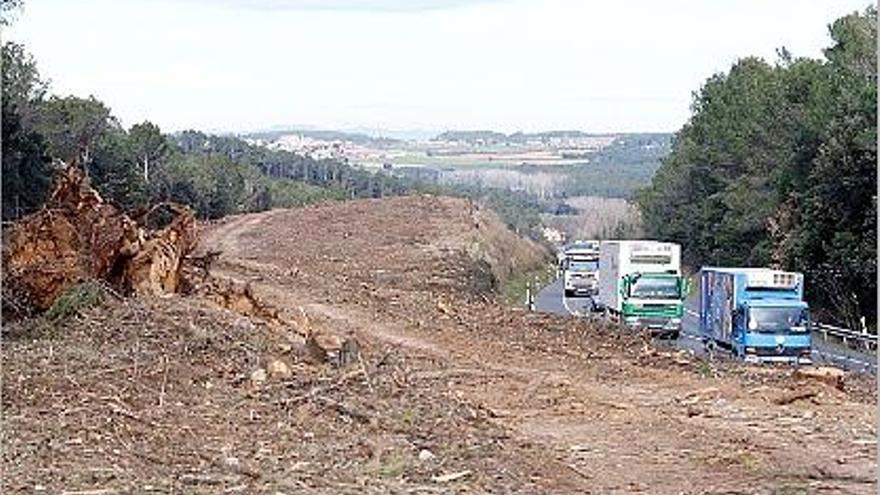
[515, 289]
[778, 166]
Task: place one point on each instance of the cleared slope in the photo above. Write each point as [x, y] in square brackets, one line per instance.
[159, 393]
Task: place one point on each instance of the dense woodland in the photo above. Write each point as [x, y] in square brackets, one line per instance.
[778, 166]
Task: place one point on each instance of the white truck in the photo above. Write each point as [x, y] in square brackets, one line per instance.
[640, 283]
[580, 269]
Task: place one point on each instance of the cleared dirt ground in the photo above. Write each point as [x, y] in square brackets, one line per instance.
[453, 393]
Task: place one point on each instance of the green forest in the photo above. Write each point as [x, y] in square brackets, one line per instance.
[777, 166]
[619, 169]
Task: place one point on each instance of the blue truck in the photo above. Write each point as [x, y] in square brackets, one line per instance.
[757, 313]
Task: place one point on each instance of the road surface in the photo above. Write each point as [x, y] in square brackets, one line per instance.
[551, 299]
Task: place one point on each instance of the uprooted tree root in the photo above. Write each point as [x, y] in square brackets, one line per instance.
[77, 236]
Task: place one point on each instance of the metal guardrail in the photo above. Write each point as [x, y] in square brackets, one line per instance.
[864, 340]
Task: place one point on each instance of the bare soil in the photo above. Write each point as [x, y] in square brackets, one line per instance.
[453, 392]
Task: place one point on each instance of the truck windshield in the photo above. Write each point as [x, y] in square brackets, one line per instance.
[655, 288]
[777, 319]
[583, 265]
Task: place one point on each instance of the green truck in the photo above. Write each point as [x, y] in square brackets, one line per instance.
[640, 284]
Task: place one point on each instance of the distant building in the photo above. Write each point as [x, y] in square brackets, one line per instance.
[553, 235]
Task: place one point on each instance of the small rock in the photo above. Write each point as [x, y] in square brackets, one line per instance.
[259, 376]
[232, 461]
[279, 369]
[426, 455]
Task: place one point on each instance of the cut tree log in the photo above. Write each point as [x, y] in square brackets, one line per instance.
[326, 347]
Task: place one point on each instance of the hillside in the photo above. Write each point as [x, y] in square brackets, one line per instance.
[227, 389]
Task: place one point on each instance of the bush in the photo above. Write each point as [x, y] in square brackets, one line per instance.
[75, 300]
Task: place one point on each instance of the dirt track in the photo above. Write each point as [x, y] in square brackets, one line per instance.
[503, 401]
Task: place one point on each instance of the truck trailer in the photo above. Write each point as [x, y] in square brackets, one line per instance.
[757, 313]
[640, 283]
[580, 269]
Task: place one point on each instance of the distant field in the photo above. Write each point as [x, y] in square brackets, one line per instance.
[476, 160]
[614, 171]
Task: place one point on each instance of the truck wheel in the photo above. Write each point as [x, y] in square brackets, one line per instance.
[674, 335]
[569, 293]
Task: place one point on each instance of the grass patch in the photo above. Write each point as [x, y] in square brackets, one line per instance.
[513, 290]
[390, 465]
[394, 466]
[75, 300]
[705, 369]
[408, 417]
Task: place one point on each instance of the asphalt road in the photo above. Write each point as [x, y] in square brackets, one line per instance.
[551, 299]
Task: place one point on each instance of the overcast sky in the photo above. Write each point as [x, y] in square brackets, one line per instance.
[406, 64]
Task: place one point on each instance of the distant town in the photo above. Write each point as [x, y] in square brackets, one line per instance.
[451, 148]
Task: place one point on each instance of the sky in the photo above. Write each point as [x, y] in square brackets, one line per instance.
[506, 65]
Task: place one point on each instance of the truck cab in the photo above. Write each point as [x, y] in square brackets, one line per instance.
[580, 269]
[581, 275]
[653, 301]
[758, 313]
[641, 285]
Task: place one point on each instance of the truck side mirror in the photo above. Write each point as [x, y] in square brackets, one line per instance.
[624, 287]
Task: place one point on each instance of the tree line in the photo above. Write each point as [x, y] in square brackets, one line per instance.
[141, 165]
[777, 165]
[215, 175]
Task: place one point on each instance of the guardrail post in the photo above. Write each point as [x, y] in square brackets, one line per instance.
[862, 340]
[532, 295]
[529, 295]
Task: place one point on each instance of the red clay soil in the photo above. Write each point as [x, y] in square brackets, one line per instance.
[452, 391]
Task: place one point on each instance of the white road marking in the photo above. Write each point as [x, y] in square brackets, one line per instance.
[567, 308]
[692, 312]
